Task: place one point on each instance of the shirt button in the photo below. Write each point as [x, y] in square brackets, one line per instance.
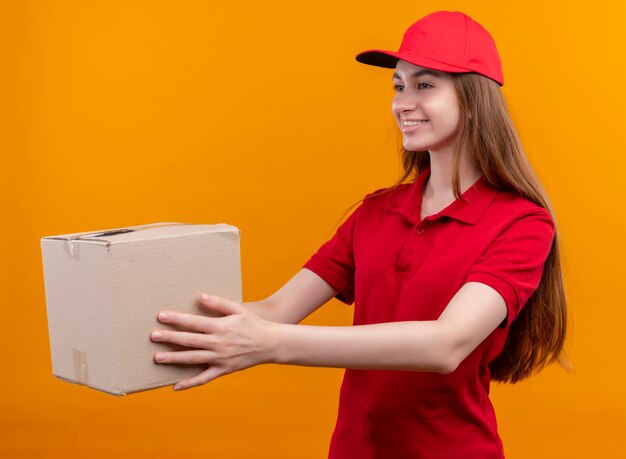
[420, 230]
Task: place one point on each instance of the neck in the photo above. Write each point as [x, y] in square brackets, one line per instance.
[439, 192]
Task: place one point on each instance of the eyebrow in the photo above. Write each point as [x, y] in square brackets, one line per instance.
[420, 73]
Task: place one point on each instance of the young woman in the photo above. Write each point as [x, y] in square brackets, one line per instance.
[455, 276]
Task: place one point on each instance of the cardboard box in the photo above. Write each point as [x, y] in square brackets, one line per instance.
[105, 288]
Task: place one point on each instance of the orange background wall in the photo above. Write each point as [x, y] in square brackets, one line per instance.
[119, 113]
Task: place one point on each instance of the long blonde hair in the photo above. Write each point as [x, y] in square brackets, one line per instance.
[487, 134]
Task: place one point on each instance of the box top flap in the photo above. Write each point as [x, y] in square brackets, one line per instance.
[144, 232]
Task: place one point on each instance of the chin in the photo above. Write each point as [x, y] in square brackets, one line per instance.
[412, 146]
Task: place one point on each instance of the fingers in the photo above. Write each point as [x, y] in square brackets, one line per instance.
[194, 322]
[186, 339]
[194, 357]
[186, 321]
[221, 305]
[202, 343]
[206, 376]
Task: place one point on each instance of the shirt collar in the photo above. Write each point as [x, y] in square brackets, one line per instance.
[469, 210]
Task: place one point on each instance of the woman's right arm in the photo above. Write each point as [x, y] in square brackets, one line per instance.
[300, 296]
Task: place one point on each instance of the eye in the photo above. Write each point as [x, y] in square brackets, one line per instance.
[424, 85]
[398, 87]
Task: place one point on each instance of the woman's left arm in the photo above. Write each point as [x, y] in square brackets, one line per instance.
[240, 339]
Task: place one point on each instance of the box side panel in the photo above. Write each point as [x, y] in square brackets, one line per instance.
[78, 299]
[166, 274]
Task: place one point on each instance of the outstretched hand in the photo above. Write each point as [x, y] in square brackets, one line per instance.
[237, 340]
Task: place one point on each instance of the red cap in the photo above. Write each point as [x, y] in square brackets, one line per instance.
[447, 41]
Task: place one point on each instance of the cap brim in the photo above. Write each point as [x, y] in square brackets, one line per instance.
[389, 59]
[379, 58]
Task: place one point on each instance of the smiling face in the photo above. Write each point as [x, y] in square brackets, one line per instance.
[426, 108]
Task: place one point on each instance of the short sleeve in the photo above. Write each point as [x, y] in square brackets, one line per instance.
[334, 261]
[513, 264]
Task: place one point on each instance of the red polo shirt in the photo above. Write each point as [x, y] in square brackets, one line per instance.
[396, 267]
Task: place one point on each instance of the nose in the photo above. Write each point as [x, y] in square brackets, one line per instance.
[403, 102]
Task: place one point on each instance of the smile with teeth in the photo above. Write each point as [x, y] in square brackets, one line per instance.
[406, 123]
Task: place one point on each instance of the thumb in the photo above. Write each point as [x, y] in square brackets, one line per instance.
[221, 305]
